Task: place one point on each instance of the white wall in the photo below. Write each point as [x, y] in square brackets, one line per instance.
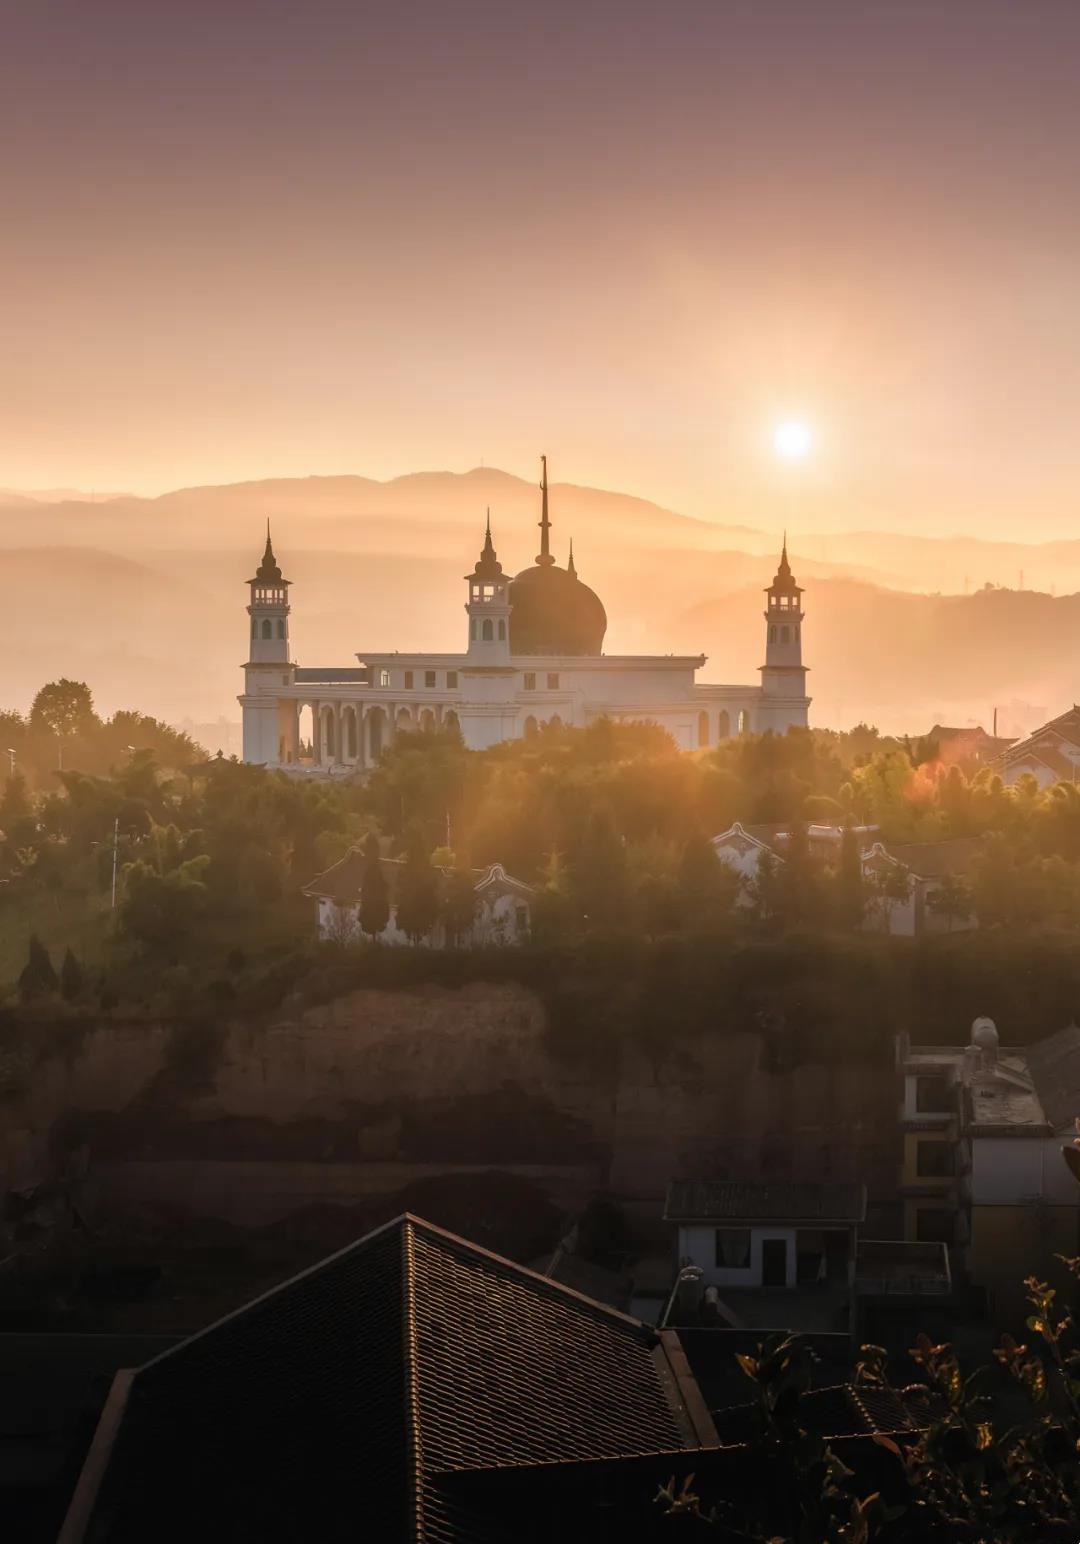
[697, 1243]
[1010, 1171]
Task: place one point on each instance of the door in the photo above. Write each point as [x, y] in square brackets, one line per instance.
[774, 1262]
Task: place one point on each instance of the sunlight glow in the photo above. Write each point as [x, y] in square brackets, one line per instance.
[792, 439]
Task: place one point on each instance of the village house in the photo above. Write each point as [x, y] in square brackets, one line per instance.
[914, 888]
[981, 1168]
[502, 911]
[1050, 754]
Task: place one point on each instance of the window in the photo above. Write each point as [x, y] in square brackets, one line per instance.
[933, 1096]
[772, 634]
[408, 680]
[267, 630]
[451, 679]
[429, 678]
[934, 1160]
[783, 635]
[744, 721]
[553, 681]
[281, 629]
[733, 1249]
[489, 631]
[472, 629]
[384, 678]
[502, 631]
[934, 1225]
[530, 680]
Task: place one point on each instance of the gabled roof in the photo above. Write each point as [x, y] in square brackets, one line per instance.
[1054, 1064]
[734, 1200]
[1065, 727]
[328, 1408]
[341, 881]
[931, 860]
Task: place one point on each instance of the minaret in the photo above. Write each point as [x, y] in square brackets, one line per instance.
[783, 673]
[543, 557]
[488, 607]
[271, 728]
[269, 611]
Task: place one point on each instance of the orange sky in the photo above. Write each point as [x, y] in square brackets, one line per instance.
[264, 238]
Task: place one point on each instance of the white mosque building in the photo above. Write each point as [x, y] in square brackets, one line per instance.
[534, 654]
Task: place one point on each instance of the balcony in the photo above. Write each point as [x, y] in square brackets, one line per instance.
[902, 1267]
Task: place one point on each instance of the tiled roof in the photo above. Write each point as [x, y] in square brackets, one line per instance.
[341, 881]
[763, 1201]
[327, 1409]
[842, 1410]
[1054, 1064]
[933, 860]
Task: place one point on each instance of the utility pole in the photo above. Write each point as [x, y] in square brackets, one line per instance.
[115, 843]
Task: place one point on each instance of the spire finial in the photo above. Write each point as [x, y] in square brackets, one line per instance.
[544, 557]
[570, 569]
[487, 528]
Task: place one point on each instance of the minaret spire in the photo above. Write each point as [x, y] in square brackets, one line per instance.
[544, 557]
[570, 569]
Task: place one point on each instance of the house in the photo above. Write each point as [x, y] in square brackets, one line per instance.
[914, 888]
[970, 743]
[502, 912]
[743, 847]
[1051, 754]
[981, 1170]
[413, 1387]
[743, 1247]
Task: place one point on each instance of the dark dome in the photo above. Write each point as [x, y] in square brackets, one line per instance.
[554, 613]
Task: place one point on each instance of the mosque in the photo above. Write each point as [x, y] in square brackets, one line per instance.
[534, 655]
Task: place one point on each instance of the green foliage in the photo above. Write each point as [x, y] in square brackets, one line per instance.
[72, 980]
[38, 978]
[458, 907]
[159, 910]
[417, 909]
[374, 898]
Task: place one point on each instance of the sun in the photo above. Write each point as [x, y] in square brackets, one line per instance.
[792, 439]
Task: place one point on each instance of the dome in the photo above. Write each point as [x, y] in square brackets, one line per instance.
[984, 1033]
[554, 613]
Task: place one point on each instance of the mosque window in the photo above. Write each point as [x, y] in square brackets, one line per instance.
[267, 630]
[552, 681]
[429, 678]
[281, 629]
[530, 680]
[772, 634]
[451, 680]
[489, 631]
[502, 631]
[744, 722]
[384, 678]
[408, 680]
[784, 634]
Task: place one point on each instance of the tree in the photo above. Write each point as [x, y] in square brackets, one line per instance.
[37, 978]
[374, 899]
[71, 978]
[63, 708]
[706, 886]
[159, 910]
[848, 880]
[600, 872]
[459, 905]
[951, 900]
[417, 908]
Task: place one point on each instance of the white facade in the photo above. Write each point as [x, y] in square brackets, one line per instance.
[502, 915]
[491, 694]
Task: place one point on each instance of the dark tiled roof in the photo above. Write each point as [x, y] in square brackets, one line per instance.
[1054, 1064]
[933, 860]
[763, 1201]
[327, 1409]
[844, 1410]
[341, 881]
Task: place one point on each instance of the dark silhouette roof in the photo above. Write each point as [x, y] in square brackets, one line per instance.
[553, 612]
[329, 1408]
[268, 571]
[487, 564]
[690, 1200]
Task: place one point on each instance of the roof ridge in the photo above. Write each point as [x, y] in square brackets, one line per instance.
[413, 1439]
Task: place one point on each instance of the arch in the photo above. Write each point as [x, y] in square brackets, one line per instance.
[744, 721]
[305, 732]
[254, 628]
[452, 723]
[772, 634]
[267, 628]
[488, 631]
[785, 634]
[502, 631]
[281, 629]
[375, 723]
[349, 735]
[404, 721]
[723, 724]
[702, 729]
[427, 721]
[555, 722]
[531, 728]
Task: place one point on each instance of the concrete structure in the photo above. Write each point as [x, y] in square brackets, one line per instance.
[1051, 754]
[502, 908]
[981, 1168]
[533, 656]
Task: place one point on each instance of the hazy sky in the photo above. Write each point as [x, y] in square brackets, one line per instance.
[245, 238]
